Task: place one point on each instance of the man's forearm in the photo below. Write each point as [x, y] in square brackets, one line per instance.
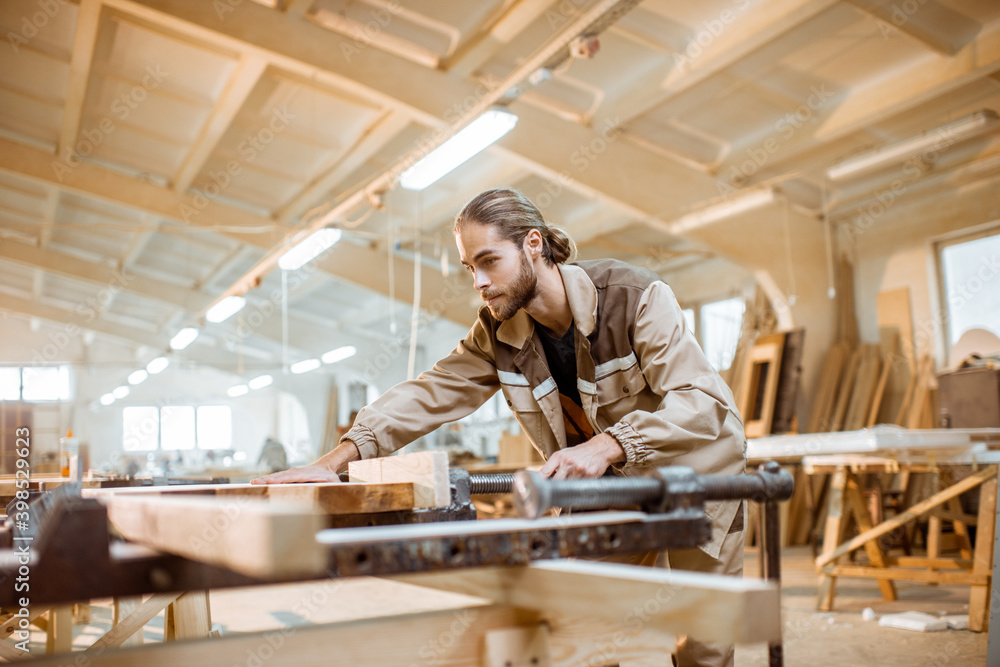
[337, 459]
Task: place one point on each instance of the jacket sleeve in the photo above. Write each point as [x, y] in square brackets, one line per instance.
[454, 388]
[695, 407]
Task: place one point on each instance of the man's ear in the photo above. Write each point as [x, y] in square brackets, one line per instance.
[533, 243]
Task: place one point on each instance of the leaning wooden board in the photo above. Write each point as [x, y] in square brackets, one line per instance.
[330, 498]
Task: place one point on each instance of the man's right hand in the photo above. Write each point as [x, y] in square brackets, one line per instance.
[307, 473]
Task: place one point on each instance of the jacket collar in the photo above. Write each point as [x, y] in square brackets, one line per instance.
[582, 296]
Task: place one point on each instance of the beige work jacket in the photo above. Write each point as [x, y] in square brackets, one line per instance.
[641, 375]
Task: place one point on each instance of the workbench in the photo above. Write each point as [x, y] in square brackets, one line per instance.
[849, 457]
[534, 606]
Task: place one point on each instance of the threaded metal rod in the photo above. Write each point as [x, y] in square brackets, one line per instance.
[491, 484]
[535, 494]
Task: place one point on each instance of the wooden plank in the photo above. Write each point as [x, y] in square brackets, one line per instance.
[428, 471]
[864, 388]
[912, 513]
[900, 574]
[130, 624]
[864, 520]
[453, 637]
[123, 608]
[832, 534]
[883, 380]
[829, 381]
[894, 313]
[982, 559]
[918, 405]
[59, 634]
[789, 379]
[192, 616]
[331, 498]
[709, 607]
[249, 535]
[845, 391]
[518, 646]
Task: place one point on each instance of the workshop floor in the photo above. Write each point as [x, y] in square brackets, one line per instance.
[813, 638]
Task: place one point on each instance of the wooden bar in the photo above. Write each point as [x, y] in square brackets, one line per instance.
[330, 498]
[252, 536]
[917, 510]
[708, 607]
[428, 471]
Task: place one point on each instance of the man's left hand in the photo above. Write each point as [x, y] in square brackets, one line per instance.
[588, 459]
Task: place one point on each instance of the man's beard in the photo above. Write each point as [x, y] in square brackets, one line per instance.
[520, 293]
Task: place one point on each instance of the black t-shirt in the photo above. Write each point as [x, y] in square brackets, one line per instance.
[560, 353]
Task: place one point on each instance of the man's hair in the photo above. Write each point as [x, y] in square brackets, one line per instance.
[514, 216]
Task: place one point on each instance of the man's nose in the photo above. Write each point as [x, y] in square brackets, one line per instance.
[481, 280]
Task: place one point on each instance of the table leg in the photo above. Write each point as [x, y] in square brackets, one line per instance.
[831, 538]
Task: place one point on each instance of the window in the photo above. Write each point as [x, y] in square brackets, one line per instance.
[141, 428]
[721, 322]
[215, 427]
[10, 384]
[970, 273]
[49, 383]
[177, 427]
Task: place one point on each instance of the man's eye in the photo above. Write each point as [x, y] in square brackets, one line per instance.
[489, 262]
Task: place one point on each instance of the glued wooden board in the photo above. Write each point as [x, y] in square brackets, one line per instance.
[428, 471]
[248, 535]
[710, 607]
[359, 498]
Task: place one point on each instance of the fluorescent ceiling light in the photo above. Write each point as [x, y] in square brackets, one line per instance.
[339, 354]
[260, 381]
[137, 377]
[183, 338]
[157, 366]
[120, 392]
[727, 209]
[469, 141]
[932, 140]
[237, 390]
[107, 399]
[305, 366]
[225, 309]
[309, 249]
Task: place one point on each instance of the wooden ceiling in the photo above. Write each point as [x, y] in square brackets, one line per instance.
[153, 152]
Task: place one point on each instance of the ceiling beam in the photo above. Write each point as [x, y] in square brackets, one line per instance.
[932, 26]
[63, 264]
[428, 95]
[358, 264]
[740, 35]
[925, 80]
[88, 25]
[368, 145]
[239, 87]
[474, 54]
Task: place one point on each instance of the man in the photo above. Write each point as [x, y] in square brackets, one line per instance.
[597, 364]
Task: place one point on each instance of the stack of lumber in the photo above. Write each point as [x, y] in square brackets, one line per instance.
[863, 384]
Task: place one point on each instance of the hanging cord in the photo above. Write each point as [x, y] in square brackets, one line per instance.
[390, 247]
[793, 292]
[415, 317]
[831, 290]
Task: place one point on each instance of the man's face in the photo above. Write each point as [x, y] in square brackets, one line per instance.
[499, 267]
